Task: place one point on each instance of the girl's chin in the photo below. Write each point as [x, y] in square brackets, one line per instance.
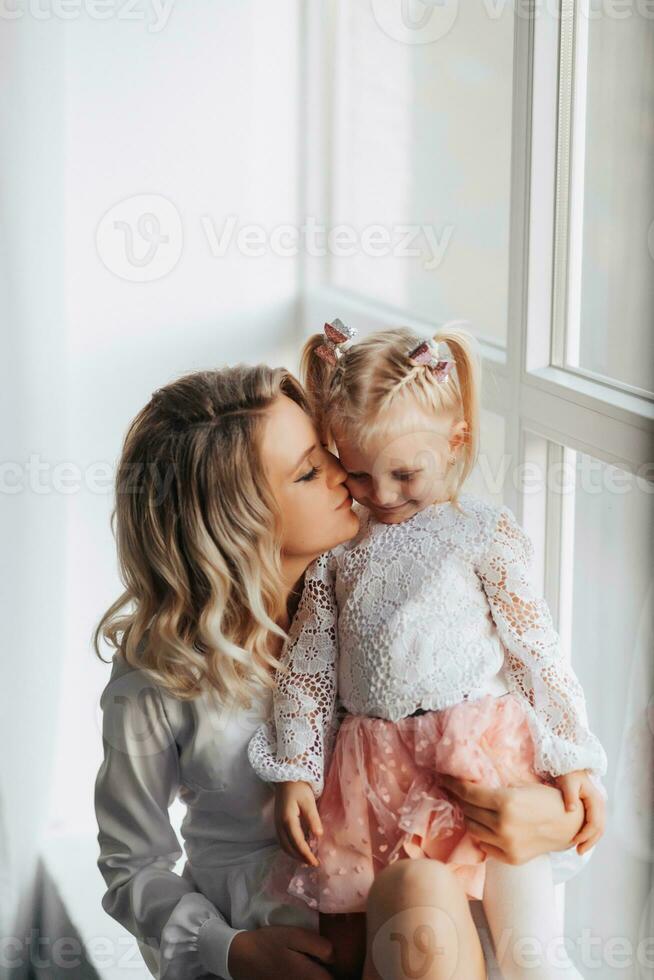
[410, 509]
[394, 516]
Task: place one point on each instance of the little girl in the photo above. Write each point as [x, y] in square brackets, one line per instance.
[426, 628]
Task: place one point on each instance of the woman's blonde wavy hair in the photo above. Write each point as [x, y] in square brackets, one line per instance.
[376, 373]
[197, 533]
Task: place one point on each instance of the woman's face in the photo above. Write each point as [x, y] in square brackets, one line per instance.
[308, 483]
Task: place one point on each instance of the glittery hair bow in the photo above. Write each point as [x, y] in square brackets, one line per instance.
[436, 358]
[338, 338]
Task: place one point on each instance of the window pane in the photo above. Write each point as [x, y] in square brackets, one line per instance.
[608, 538]
[422, 131]
[611, 313]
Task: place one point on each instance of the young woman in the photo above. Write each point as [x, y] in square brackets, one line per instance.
[224, 496]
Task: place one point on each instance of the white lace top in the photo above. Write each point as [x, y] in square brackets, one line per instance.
[423, 614]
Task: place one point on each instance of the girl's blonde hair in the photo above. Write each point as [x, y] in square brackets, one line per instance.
[197, 532]
[376, 373]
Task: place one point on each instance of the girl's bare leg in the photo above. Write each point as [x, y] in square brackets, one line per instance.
[419, 926]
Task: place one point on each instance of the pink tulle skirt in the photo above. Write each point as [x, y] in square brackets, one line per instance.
[382, 798]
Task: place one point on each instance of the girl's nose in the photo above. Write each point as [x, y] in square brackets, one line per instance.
[384, 494]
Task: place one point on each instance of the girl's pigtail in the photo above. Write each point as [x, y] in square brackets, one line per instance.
[468, 371]
[316, 375]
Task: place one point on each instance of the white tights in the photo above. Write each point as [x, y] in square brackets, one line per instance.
[519, 902]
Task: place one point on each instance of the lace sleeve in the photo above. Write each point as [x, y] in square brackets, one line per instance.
[535, 668]
[295, 744]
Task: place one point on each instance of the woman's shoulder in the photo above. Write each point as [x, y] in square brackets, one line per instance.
[136, 718]
[127, 675]
[135, 690]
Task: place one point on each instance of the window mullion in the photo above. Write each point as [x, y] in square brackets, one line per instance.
[518, 246]
[562, 190]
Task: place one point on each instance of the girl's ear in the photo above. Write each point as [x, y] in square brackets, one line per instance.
[458, 435]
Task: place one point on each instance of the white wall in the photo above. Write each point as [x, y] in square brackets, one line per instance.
[203, 114]
[33, 421]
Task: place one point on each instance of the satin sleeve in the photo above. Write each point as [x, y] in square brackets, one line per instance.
[181, 933]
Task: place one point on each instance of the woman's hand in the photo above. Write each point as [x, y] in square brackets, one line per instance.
[578, 786]
[517, 823]
[279, 951]
[296, 815]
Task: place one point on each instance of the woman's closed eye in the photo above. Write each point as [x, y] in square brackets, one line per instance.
[310, 475]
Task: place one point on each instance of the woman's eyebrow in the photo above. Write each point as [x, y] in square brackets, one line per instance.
[302, 458]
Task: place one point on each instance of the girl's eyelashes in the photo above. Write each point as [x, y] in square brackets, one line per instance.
[311, 475]
[403, 477]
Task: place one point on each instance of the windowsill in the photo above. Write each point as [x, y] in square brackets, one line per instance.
[377, 314]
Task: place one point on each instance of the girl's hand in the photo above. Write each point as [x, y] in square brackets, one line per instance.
[578, 786]
[296, 815]
[516, 823]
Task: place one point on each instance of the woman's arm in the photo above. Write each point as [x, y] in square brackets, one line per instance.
[180, 932]
[517, 823]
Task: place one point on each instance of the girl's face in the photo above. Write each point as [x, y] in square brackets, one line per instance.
[401, 472]
[308, 483]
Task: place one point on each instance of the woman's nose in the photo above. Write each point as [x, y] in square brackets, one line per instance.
[335, 472]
